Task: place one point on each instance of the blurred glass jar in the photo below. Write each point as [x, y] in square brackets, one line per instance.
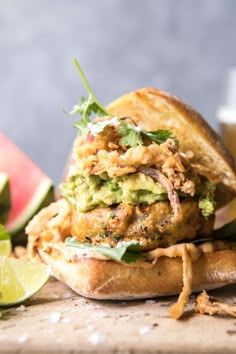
[226, 116]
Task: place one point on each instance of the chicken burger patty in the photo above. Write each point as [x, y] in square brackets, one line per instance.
[152, 225]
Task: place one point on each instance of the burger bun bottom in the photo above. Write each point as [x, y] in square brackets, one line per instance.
[110, 280]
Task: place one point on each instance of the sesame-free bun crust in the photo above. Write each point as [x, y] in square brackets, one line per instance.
[102, 279]
[153, 109]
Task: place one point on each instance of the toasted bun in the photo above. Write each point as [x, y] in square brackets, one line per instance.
[102, 279]
[153, 109]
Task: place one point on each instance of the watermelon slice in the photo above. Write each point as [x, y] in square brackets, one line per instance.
[5, 199]
[30, 188]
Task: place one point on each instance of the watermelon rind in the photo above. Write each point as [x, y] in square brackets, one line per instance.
[43, 196]
[5, 197]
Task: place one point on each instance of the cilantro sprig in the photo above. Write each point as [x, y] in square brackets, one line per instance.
[87, 107]
[127, 252]
[131, 135]
[134, 135]
[160, 136]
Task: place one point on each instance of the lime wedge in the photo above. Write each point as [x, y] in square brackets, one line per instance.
[20, 280]
[5, 247]
[5, 242]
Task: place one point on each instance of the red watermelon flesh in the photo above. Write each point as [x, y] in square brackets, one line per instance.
[29, 186]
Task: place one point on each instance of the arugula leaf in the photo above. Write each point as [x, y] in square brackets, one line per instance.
[86, 107]
[224, 233]
[4, 235]
[127, 252]
[228, 232]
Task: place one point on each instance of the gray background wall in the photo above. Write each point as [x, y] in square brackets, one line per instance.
[182, 46]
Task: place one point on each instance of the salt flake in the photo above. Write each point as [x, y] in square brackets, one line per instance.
[54, 317]
[96, 339]
[125, 317]
[90, 327]
[23, 338]
[21, 308]
[92, 307]
[66, 320]
[144, 330]
[99, 315]
[150, 302]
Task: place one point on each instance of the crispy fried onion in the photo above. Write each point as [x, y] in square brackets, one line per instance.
[165, 182]
[177, 310]
[117, 162]
[97, 157]
[189, 253]
[180, 173]
[209, 305]
[51, 223]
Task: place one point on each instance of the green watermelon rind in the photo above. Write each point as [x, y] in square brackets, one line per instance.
[5, 197]
[43, 196]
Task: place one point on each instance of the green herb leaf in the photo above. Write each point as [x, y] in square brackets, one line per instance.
[135, 135]
[86, 107]
[206, 200]
[4, 235]
[159, 136]
[132, 135]
[224, 233]
[126, 252]
[82, 127]
[207, 207]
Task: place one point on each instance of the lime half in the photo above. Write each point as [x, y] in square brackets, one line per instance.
[5, 247]
[5, 242]
[20, 280]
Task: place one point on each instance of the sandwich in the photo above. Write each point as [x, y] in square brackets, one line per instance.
[136, 214]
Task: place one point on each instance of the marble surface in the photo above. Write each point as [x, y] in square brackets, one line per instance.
[56, 320]
[184, 47]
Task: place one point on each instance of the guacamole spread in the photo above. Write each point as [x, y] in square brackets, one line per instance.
[86, 193]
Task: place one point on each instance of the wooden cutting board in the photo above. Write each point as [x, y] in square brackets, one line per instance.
[57, 320]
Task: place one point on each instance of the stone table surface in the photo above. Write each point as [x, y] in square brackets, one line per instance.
[56, 320]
